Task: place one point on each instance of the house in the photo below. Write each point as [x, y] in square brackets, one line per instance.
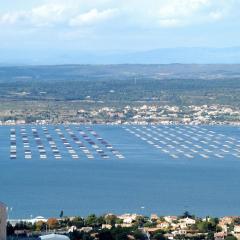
[227, 220]
[182, 225]
[128, 218]
[163, 225]
[72, 229]
[21, 232]
[151, 229]
[170, 219]
[106, 226]
[224, 227]
[154, 217]
[86, 229]
[169, 236]
[220, 235]
[236, 231]
[188, 221]
[179, 232]
[124, 225]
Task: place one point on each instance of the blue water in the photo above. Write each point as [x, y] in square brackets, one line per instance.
[163, 182]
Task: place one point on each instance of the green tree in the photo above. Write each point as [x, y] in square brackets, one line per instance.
[119, 221]
[210, 236]
[40, 225]
[150, 224]
[10, 229]
[105, 235]
[186, 214]
[140, 221]
[138, 235]
[120, 232]
[230, 237]
[86, 236]
[78, 222]
[91, 220]
[158, 236]
[61, 214]
[111, 219]
[208, 225]
[202, 226]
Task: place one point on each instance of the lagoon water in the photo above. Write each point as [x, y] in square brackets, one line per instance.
[100, 169]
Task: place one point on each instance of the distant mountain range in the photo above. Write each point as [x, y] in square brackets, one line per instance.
[157, 56]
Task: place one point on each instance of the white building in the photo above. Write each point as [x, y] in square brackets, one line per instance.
[128, 218]
[3, 221]
[188, 221]
[29, 220]
[37, 219]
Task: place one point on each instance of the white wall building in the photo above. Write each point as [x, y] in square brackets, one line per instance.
[3, 221]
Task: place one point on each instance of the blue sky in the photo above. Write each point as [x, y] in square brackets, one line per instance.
[116, 25]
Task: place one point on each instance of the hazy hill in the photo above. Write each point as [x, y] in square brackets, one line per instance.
[158, 56]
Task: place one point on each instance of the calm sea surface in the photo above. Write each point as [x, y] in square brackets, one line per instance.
[82, 170]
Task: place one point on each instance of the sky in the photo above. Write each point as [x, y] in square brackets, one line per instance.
[117, 25]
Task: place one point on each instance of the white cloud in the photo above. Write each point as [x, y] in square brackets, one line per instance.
[216, 15]
[48, 14]
[93, 16]
[58, 13]
[12, 18]
[176, 13]
[170, 22]
[183, 8]
[144, 13]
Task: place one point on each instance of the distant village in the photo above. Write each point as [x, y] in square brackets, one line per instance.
[128, 226]
[144, 114]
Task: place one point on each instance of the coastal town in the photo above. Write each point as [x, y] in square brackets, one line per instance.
[141, 114]
[127, 226]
